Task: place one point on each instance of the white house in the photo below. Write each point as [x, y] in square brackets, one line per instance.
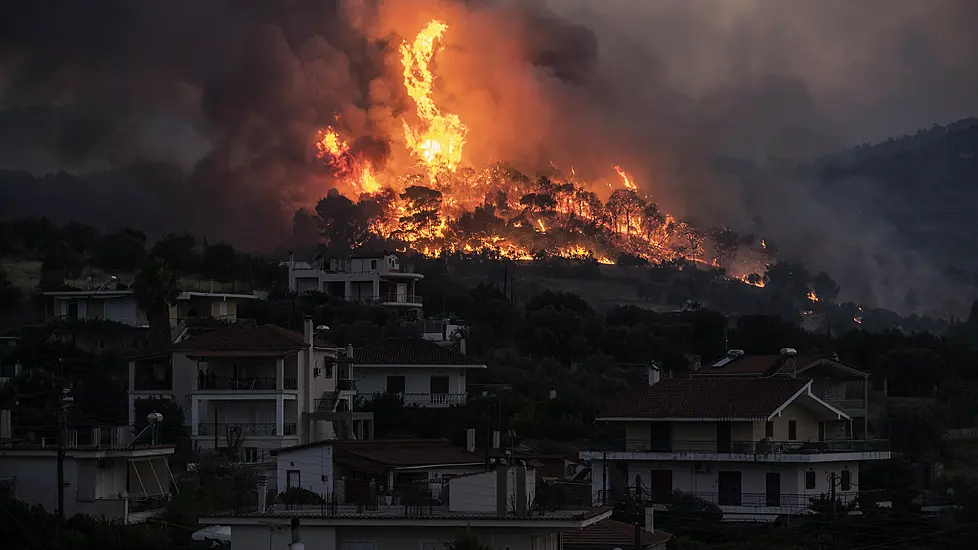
[495, 505]
[104, 477]
[258, 388]
[373, 278]
[422, 372]
[327, 466]
[757, 447]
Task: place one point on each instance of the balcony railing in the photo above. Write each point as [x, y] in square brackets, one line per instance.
[756, 447]
[400, 299]
[346, 384]
[787, 503]
[290, 383]
[240, 383]
[152, 384]
[422, 399]
[245, 428]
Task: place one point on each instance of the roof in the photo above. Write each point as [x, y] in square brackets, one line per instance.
[374, 454]
[409, 351]
[247, 339]
[768, 365]
[351, 514]
[708, 398]
[607, 534]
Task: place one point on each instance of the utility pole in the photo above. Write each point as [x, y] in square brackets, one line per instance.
[63, 401]
[216, 410]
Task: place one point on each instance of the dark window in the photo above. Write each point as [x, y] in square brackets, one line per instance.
[792, 430]
[395, 384]
[72, 310]
[439, 384]
[773, 492]
[769, 429]
[810, 479]
[373, 264]
[846, 480]
[292, 479]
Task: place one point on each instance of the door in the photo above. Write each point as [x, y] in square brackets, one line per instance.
[660, 485]
[402, 296]
[723, 437]
[728, 488]
[773, 489]
[660, 437]
[439, 389]
[821, 431]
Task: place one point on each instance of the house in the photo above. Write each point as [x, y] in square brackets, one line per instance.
[842, 386]
[372, 278]
[443, 329]
[756, 447]
[117, 302]
[105, 475]
[423, 373]
[327, 466]
[495, 505]
[254, 388]
[609, 534]
[557, 460]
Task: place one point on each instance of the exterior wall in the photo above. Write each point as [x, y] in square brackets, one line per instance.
[121, 309]
[417, 379]
[418, 537]
[315, 467]
[477, 492]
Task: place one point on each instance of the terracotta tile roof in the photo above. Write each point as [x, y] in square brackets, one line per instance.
[396, 453]
[756, 365]
[409, 351]
[707, 397]
[244, 337]
[608, 534]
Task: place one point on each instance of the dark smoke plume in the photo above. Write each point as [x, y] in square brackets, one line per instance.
[200, 115]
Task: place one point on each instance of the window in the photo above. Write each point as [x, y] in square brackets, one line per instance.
[810, 479]
[8, 486]
[222, 309]
[253, 454]
[769, 430]
[72, 310]
[292, 479]
[792, 430]
[439, 384]
[395, 384]
[373, 264]
[728, 488]
[846, 480]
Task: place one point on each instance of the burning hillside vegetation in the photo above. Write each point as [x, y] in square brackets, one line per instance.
[443, 204]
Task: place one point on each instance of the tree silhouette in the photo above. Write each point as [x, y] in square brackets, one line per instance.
[156, 289]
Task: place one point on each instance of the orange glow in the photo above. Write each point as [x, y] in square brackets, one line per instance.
[624, 178]
[812, 296]
[437, 142]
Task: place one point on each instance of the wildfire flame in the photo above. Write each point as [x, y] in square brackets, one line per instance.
[438, 142]
[812, 296]
[445, 206]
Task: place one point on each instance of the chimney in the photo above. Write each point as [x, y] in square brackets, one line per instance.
[502, 492]
[653, 374]
[308, 332]
[650, 519]
[262, 492]
[461, 346]
[521, 490]
[495, 439]
[6, 430]
[296, 545]
[470, 440]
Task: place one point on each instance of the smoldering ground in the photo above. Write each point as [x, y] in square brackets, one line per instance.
[229, 93]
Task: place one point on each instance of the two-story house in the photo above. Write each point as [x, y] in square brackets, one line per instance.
[373, 278]
[756, 447]
[252, 387]
[422, 372]
[842, 386]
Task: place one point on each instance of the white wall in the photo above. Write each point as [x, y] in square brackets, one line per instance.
[36, 483]
[371, 380]
[315, 466]
[415, 537]
[477, 492]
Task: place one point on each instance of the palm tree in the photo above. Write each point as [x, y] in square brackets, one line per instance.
[155, 291]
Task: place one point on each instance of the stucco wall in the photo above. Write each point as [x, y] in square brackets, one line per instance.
[372, 380]
[315, 467]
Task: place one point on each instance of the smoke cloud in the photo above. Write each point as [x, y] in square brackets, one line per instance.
[201, 115]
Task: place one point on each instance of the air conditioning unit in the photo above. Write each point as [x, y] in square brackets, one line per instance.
[317, 371]
[700, 468]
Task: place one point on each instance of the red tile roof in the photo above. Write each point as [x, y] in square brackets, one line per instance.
[707, 397]
[409, 351]
[756, 365]
[608, 534]
[245, 337]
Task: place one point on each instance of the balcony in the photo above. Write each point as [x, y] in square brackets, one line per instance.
[147, 383]
[762, 451]
[434, 399]
[266, 429]
[240, 383]
[764, 506]
[346, 384]
[405, 299]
